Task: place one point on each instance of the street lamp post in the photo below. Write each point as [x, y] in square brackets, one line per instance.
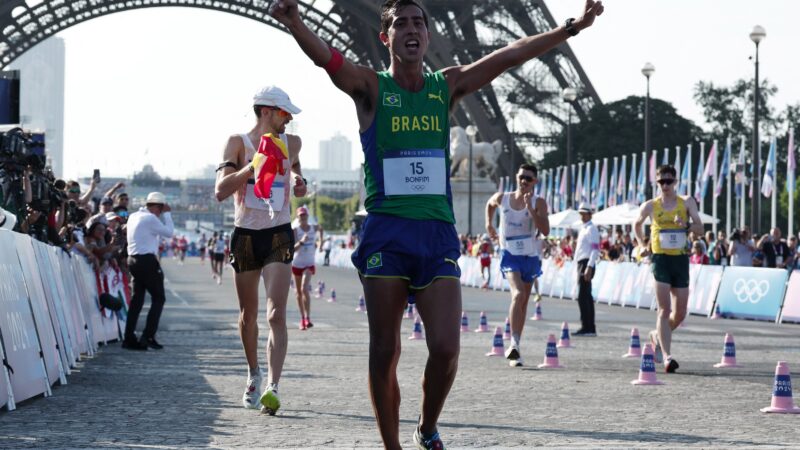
[647, 71]
[511, 171]
[757, 35]
[569, 95]
[471, 132]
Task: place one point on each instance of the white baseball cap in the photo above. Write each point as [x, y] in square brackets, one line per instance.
[275, 96]
[156, 197]
[7, 220]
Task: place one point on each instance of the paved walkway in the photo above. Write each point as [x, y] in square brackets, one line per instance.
[188, 395]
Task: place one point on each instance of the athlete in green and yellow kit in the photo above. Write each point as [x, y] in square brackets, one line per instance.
[670, 214]
[409, 240]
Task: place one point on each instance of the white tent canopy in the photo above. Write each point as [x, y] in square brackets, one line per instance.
[626, 214]
[564, 219]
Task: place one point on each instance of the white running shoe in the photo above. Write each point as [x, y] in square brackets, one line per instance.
[270, 403]
[516, 362]
[512, 353]
[250, 397]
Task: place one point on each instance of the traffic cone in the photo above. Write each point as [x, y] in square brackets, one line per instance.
[417, 332]
[483, 327]
[464, 322]
[717, 314]
[362, 305]
[409, 312]
[497, 344]
[333, 296]
[647, 371]
[319, 289]
[728, 353]
[507, 332]
[538, 314]
[782, 401]
[563, 342]
[635, 349]
[550, 355]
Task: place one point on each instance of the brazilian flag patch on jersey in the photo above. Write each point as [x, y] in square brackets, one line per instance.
[375, 261]
[391, 99]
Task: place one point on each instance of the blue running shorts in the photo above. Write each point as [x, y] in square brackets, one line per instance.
[415, 250]
[529, 267]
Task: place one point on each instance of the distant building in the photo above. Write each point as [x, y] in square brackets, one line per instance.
[337, 184]
[335, 154]
[42, 96]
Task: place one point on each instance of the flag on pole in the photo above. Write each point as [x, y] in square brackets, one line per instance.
[601, 193]
[665, 159]
[642, 188]
[698, 177]
[752, 174]
[653, 167]
[678, 168]
[612, 186]
[685, 176]
[790, 163]
[595, 183]
[631, 197]
[740, 175]
[768, 182]
[579, 185]
[621, 183]
[712, 155]
[586, 193]
[724, 170]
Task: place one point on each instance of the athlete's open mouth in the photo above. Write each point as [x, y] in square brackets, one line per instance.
[412, 44]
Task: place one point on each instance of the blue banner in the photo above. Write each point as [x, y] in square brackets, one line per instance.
[751, 292]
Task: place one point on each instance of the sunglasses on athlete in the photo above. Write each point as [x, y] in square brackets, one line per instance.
[281, 112]
[527, 178]
[666, 181]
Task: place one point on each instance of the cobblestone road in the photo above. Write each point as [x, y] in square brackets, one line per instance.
[188, 395]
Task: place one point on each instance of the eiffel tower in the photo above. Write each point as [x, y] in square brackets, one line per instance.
[462, 31]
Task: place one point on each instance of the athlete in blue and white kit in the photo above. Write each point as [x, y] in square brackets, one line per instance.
[522, 217]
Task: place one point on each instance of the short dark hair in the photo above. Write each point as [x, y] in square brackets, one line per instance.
[666, 169]
[390, 7]
[531, 167]
[257, 110]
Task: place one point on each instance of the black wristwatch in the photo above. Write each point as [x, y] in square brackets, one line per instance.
[570, 27]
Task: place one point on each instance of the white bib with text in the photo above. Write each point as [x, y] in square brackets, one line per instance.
[414, 172]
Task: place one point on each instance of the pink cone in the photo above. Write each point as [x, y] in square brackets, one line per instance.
[507, 331]
[362, 305]
[497, 344]
[563, 341]
[647, 370]
[635, 348]
[410, 312]
[483, 327]
[333, 296]
[728, 353]
[464, 322]
[538, 314]
[782, 401]
[417, 332]
[550, 355]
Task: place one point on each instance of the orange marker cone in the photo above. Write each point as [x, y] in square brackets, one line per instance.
[497, 344]
[563, 342]
[507, 331]
[538, 314]
[417, 332]
[635, 349]
[483, 327]
[782, 401]
[464, 322]
[728, 353]
[550, 355]
[647, 371]
[362, 305]
[333, 296]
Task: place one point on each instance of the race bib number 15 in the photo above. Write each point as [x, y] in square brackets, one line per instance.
[414, 172]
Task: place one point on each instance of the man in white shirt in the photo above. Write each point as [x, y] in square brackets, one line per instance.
[144, 229]
[587, 253]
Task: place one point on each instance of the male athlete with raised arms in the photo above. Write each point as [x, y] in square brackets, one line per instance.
[409, 240]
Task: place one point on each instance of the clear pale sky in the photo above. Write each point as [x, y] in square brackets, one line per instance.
[169, 85]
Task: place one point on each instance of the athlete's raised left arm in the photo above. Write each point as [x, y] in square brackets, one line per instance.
[696, 226]
[466, 79]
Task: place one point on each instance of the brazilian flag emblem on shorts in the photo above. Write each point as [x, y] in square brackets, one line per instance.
[375, 261]
[391, 99]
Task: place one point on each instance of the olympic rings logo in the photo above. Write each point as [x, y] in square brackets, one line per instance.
[418, 187]
[750, 290]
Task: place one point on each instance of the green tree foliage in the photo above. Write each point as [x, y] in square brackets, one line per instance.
[617, 128]
[333, 215]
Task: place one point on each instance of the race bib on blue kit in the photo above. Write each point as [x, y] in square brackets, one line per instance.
[414, 172]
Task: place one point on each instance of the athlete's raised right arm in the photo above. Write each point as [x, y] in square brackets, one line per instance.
[638, 225]
[359, 82]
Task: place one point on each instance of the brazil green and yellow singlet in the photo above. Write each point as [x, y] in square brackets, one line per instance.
[407, 151]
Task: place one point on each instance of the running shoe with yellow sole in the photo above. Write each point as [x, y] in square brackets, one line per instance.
[270, 403]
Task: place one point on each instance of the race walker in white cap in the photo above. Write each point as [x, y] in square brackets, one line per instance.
[262, 243]
[523, 216]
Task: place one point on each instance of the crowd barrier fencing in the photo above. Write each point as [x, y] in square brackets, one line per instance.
[50, 315]
[737, 292]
